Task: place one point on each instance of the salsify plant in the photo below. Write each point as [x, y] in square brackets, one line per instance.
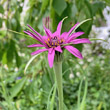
[55, 43]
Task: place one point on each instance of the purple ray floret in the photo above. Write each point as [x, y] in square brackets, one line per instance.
[56, 41]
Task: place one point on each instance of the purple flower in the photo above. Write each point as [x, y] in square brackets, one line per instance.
[18, 78]
[56, 42]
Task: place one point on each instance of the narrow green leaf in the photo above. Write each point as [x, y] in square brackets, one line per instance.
[17, 87]
[4, 58]
[81, 104]
[18, 59]
[18, 32]
[10, 53]
[79, 92]
[50, 93]
[53, 99]
[84, 97]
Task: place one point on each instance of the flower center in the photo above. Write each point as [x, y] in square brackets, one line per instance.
[54, 41]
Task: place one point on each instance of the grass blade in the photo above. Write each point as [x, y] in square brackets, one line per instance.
[84, 97]
[81, 105]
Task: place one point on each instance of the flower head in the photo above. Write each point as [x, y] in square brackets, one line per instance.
[56, 41]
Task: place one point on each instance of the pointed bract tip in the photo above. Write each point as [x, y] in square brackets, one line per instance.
[64, 18]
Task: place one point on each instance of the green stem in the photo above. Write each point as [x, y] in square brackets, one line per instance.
[58, 75]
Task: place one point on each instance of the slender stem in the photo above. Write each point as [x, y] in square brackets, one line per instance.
[58, 75]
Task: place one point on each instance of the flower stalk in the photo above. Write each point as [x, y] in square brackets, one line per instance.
[58, 76]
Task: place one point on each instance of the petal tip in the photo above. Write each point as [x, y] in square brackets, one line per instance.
[81, 57]
[90, 42]
[51, 66]
[83, 32]
[28, 25]
[29, 46]
[32, 54]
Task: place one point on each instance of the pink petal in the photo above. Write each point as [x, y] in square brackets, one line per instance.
[48, 32]
[34, 30]
[74, 51]
[33, 35]
[50, 50]
[59, 28]
[37, 38]
[63, 35]
[58, 48]
[79, 41]
[51, 58]
[54, 34]
[38, 51]
[36, 45]
[74, 35]
[44, 38]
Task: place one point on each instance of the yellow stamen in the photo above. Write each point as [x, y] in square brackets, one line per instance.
[47, 43]
[62, 40]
